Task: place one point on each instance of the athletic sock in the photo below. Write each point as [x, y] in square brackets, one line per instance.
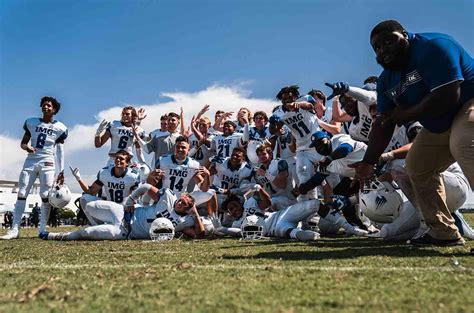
[20, 206]
[45, 210]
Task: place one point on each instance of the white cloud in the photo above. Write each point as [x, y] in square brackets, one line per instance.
[11, 158]
[79, 148]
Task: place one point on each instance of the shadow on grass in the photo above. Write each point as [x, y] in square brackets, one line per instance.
[345, 249]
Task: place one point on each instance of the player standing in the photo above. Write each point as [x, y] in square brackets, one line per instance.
[46, 136]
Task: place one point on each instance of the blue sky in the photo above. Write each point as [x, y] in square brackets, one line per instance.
[96, 55]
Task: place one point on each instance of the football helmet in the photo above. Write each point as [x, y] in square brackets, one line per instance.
[380, 202]
[252, 150]
[252, 227]
[59, 196]
[144, 172]
[161, 229]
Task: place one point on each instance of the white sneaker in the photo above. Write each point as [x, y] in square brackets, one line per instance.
[307, 235]
[352, 230]
[57, 236]
[11, 234]
[463, 226]
[341, 222]
[375, 235]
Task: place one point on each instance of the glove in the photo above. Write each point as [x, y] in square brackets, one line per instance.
[216, 222]
[102, 126]
[256, 188]
[323, 169]
[387, 156]
[339, 202]
[338, 89]
[76, 173]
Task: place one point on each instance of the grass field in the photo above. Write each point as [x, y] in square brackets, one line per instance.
[228, 275]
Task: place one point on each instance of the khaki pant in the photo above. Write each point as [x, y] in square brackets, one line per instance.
[432, 154]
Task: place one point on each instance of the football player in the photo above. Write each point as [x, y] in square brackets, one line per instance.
[180, 211]
[43, 141]
[244, 117]
[323, 113]
[113, 184]
[260, 129]
[359, 106]
[281, 224]
[199, 151]
[301, 122]
[223, 144]
[175, 171]
[275, 177]
[120, 134]
[230, 174]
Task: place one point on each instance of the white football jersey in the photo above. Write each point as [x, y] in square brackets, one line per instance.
[177, 174]
[44, 137]
[239, 128]
[164, 207]
[227, 178]
[200, 153]
[361, 125]
[255, 134]
[327, 116]
[341, 166]
[114, 188]
[121, 137]
[302, 124]
[222, 146]
[284, 142]
[250, 208]
[400, 136]
[276, 166]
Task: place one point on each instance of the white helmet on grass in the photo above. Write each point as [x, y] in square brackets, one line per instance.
[252, 227]
[380, 202]
[161, 229]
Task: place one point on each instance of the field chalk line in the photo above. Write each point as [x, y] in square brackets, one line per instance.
[25, 266]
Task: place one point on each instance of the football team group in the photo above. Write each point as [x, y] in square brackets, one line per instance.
[392, 159]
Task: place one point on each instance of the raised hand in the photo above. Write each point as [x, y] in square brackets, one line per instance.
[141, 114]
[338, 89]
[76, 173]
[102, 126]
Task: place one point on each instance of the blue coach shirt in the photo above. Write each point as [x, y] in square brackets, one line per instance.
[435, 60]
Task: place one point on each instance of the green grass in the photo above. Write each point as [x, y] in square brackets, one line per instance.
[228, 275]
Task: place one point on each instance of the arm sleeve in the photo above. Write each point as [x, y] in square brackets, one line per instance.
[60, 155]
[230, 231]
[246, 135]
[137, 193]
[313, 182]
[367, 97]
[342, 151]
[187, 223]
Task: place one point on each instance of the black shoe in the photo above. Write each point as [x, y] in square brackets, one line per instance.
[427, 240]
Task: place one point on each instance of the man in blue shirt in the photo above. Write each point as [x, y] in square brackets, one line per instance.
[429, 78]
